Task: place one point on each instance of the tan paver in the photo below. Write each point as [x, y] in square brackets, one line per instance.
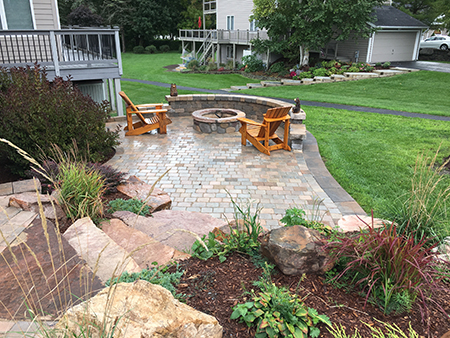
[203, 167]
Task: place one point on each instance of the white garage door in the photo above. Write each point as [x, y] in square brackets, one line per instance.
[393, 46]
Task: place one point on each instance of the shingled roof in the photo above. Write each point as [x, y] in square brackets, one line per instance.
[388, 16]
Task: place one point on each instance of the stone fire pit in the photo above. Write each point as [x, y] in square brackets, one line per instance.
[219, 120]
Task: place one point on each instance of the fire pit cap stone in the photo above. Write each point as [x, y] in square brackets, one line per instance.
[198, 115]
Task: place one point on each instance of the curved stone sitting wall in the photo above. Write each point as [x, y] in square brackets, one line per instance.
[253, 106]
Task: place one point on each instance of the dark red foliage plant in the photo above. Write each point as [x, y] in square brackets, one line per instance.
[394, 272]
[36, 114]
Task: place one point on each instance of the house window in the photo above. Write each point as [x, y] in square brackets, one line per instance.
[230, 22]
[253, 25]
[16, 14]
[229, 52]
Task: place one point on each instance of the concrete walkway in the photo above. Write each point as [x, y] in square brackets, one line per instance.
[424, 65]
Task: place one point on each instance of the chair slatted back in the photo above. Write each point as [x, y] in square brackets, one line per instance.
[131, 106]
[274, 113]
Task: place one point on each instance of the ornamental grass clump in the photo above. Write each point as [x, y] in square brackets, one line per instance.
[422, 213]
[393, 271]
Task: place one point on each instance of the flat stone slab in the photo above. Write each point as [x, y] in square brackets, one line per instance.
[289, 82]
[307, 81]
[254, 85]
[271, 83]
[14, 226]
[144, 249]
[175, 228]
[238, 87]
[361, 75]
[135, 188]
[337, 77]
[101, 253]
[403, 69]
[298, 132]
[51, 280]
[389, 71]
[351, 223]
[25, 185]
[323, 79]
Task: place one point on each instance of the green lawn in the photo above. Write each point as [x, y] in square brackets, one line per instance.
[419, 92]
[150, 67]
[372, 156]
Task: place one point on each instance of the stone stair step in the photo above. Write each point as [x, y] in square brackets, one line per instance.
[238, 87]
[175, 228]
[12, 228]
[142, 248]
[271, 83]
[289, 82]
[254, 85]
[104, 256]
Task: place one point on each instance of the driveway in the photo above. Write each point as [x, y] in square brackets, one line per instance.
[424, 65]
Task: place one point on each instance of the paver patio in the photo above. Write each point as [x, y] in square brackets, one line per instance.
[203, 167]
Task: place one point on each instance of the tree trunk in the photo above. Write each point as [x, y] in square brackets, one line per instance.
[122, 38]
[304, 56]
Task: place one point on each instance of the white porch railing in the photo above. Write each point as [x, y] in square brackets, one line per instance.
[222, 35]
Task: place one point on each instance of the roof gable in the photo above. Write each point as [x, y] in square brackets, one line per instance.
[388, 16]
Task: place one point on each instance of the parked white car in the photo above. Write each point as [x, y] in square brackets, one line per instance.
[436, 42]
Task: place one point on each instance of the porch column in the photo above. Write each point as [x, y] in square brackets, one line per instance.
[112, 97]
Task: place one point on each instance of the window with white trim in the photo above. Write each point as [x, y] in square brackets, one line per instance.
[253, 26]
[230, 22]
[16, 14]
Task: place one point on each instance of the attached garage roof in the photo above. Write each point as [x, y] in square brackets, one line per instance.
[391, 17]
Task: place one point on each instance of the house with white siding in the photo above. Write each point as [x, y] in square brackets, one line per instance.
[30, 32]
[396, 38]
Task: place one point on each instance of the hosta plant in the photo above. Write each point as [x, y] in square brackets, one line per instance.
[275, 312]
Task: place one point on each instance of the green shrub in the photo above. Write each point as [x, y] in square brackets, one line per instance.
[35, 113]
[392, 270]
[386, 65]
[150, 49]
[80, 190]
[353, 69]
[139, 50]
[368, 68]
[296, 216]
[203, 68]
[156, 275]
[211, 66]
[305, 75]
[193, 64]
[164, 48]
[252, 63]
[277, 68]
[320, 72]
[378, 64]
[229, 65]
[275, 312]
[134, 205]
[332, 70]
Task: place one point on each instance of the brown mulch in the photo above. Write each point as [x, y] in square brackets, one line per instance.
[214, 288]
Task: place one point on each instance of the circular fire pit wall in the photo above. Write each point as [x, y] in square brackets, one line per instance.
[219, 120]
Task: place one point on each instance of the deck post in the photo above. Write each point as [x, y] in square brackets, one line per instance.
[54, 53]
[118, 55]
[118, 98]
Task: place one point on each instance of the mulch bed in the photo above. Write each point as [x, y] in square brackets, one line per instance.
[214, 288]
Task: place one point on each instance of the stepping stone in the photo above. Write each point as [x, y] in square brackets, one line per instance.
[337, 77]
[104, 256]
[352, 223]
[135, 188]
[307, 81]
[357, 75]
[403, 69]
[144, 249]
[271, 83]
[389, 71]
[51, 279]
[238, 87]
[25, 185]
[14, 226]
[254, 85]
[6, 189]
[175, 228]
[289, 82]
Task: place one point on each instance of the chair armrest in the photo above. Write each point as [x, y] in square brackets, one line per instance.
[253, 123]
[149, 106]
[284, 118]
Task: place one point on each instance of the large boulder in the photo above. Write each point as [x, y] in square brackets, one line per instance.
[156, 199]
[139, 309]
[296, 250]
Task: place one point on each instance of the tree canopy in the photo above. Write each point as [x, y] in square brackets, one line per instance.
[310, 24]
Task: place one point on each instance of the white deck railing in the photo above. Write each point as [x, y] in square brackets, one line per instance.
[222, 35]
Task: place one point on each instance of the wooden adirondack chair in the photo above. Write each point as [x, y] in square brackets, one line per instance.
[158, 121]
[264, 132]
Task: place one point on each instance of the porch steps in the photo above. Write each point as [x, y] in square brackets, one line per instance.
[271, 83]
[238, 87]
[254, 85]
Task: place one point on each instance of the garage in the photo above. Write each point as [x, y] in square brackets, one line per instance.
[394, 46]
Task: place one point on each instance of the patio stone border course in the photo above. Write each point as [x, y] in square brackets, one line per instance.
[253, 106]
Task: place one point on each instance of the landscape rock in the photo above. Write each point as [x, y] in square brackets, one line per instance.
[144, 310]
[296, 250]
[134, 188]
[28, 201]
[105, 257]
[144, 249]
[175, 228]
[352, 223]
